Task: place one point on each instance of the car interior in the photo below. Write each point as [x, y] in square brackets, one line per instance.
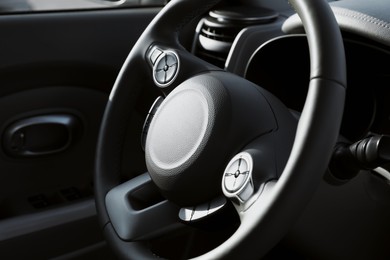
[207, 129]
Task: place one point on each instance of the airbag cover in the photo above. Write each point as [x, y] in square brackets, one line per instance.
[182, 128]
[197, 129]
[180, 139]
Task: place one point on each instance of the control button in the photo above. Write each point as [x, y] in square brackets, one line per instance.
[155, 53]
[237, 179]
[170, 73]
[165, 68]
[170, 59]
[236, 175]
[160, 76]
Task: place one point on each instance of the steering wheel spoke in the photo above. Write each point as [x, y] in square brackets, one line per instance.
[259, 201]
[138, 212]
[202, 211]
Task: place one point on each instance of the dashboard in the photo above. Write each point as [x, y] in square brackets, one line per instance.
[280, 63]
[282, 67]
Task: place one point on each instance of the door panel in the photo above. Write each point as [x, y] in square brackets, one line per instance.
[59, 63]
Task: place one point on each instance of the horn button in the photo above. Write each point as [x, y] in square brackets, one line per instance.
[197, 129]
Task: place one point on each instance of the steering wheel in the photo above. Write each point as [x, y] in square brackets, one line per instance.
[214, 127]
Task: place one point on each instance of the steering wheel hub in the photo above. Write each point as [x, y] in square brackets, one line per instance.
[198, 128]
[179, 146]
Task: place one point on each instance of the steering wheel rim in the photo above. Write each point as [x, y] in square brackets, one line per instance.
[318, 127]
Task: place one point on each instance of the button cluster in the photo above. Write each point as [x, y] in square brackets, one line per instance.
[237, 180]
[165, 66]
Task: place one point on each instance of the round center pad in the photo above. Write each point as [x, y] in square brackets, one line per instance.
[184, 139]
[180, 129]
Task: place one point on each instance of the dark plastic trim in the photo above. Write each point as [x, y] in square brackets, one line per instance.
[41, 135]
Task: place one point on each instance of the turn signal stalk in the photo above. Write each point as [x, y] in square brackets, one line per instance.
[366, 154]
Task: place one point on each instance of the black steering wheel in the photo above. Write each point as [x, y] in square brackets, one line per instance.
[215, 127]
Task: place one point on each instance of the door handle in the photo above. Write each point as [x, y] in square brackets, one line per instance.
[40, 135]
